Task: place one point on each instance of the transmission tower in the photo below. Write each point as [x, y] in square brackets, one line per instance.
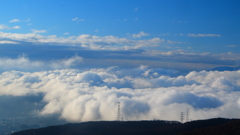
[187, 115]
[182, 117]
[118, 112]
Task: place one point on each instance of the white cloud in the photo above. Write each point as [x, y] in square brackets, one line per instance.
[23, 63]
[204, 35]
[8, 42]
[66, 63]
[78, 20]
[9, 28]
[14, 20]
[84, 40]
[38, 31]
[140, 34]
[144, 94]
[74, 19]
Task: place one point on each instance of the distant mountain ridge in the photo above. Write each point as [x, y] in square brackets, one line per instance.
[225, 68]
[204, 127]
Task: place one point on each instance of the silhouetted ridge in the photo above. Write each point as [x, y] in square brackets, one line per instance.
[137, 127]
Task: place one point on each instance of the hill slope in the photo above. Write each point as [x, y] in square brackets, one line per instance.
[202, 127]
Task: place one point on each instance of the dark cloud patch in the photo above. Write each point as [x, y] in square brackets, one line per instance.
[193, 100]
[131, 107]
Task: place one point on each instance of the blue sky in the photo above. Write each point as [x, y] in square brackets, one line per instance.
[137, 32]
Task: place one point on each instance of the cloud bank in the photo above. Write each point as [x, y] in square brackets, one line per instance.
[84, 41]
[144, 93]
[23, 63]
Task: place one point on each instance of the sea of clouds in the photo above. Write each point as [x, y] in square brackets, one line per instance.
[144, 93]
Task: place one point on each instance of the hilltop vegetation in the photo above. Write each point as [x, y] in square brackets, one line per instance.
[203, 127]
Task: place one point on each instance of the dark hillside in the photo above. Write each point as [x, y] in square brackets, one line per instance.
[137, 127]
[228, 128]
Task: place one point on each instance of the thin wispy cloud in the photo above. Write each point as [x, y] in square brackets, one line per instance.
[231, 45]
[14, 20]
[8, 42]
[9, 28]
[38, 31]
[85, 40]
[78, 20]
[140, 34]
[204, 35]
[28, 20]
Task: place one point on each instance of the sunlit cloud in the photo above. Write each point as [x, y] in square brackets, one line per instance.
[86, 95]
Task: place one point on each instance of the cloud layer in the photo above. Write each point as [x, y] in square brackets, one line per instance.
[143, 93]
[84, 41]
[23, 63]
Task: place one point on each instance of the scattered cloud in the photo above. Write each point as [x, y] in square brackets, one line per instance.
[78, 20]
[140, 34]
[38, 31]
[14, 20]
[204, 35]
[9, 28]
[7, 42]
[180, 34]
[18, 20]
[66, 33]
[74, 19]
[231, 45]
